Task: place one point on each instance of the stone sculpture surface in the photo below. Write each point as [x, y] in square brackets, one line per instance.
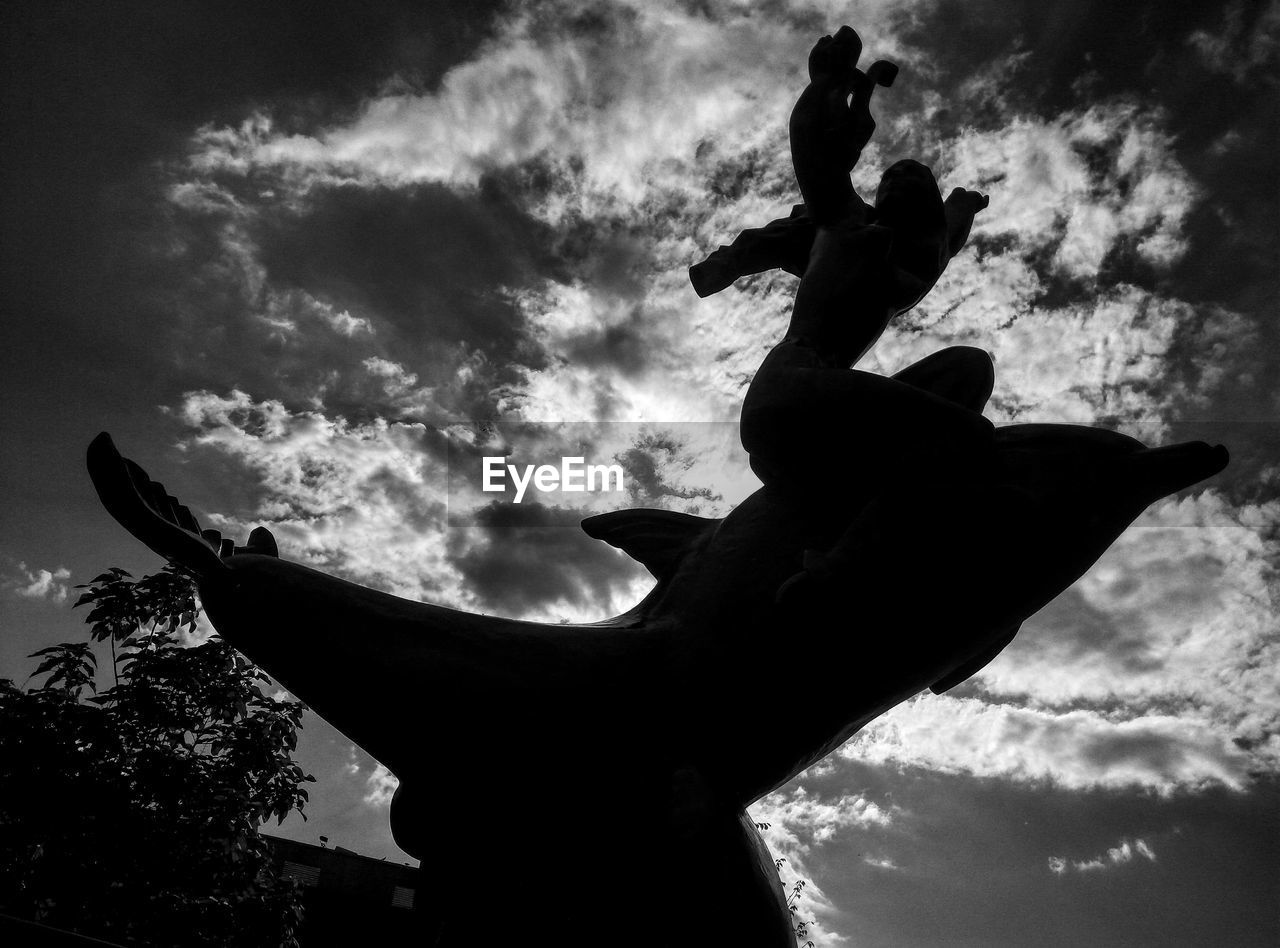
[549, 772]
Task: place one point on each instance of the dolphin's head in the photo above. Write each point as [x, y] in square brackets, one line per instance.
[1086, 485]
[1107, 470]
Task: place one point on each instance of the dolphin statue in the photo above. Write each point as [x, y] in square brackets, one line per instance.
[654, 728]
[549, 772]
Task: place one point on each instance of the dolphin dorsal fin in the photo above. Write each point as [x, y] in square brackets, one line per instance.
[657, 538]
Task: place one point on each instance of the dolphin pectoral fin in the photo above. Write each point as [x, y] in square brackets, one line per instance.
[657, 538]
[974, 665]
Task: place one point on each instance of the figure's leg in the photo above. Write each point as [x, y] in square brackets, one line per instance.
[801, 423]
[799, 396]
[924, 454]
[961, 374]
[958, 487]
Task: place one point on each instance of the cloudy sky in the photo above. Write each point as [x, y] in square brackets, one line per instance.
[296, 263]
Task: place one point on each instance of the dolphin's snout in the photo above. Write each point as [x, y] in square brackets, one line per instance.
[1157, 472]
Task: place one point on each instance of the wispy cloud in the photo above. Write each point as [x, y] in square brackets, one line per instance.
[393, 504]
[380, 786]
[1246, 41]
[878, 862]
[366, 500]
[510, 244]
[800, 820]
[1073, 749]
[1123, 853]
[377, 783]
[798, 823]
[1175, 622]
[47, 584]
[1079, 186]
[624, 144]
[609, 328]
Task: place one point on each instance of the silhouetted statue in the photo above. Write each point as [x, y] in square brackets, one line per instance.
[589, 782]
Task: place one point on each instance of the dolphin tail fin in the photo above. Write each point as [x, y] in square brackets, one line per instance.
[146, 510]
[657, 538]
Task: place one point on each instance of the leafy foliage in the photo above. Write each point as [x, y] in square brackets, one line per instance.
[133, 813]
[798, 925]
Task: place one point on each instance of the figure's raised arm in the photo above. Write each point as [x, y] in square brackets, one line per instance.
[831, 123]
[782, 244]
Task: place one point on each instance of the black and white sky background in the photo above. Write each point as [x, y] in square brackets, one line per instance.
[287, 254]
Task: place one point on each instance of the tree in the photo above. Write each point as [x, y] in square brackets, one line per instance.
[133, 814]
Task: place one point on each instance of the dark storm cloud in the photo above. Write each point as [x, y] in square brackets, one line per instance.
[1254, 440]
[95, 93]
[425, 266]
[620, 346]
[1213, 71]
[1037, 59]
[615, 256]
[1075, 45]
[610, 251]
[648, 467]
[522, 557]
[114, 278]
[957, 844]
[423, 260]
[93, 96]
